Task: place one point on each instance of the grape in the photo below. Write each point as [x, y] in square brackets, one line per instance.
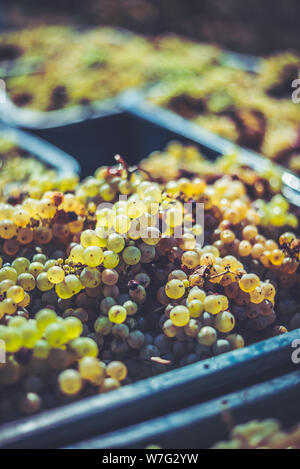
[93, 256]
[43, 283]
[90, 277]
[136, 339]
[110, 260]
[30, 334]
[73, 326]
[36, 268]
[8, 229]
[175, 289]
[103, 325]
[117, 314]
[76, 254]
[84, 347]
[207, 336]
[116, 370]
[180, 316]
[70, 382]
[7, 306]
[131, 307]
[5, 285]
[196, 308]
[15, 293]
[8, 273]
[110, 277]
[91, 369]
[30, 403]
[131, 255]
[21, 265]
[249, 282]
[56, 334]
[13, 339]
[55, 274]
[109, 384]
[41, 349]
[224, 322]
[213, 304]
[26, 281]
[115, 242]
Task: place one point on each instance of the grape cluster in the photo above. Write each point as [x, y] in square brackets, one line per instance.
[97, 289]
[105, 61]
[218, 100]
[266, 434]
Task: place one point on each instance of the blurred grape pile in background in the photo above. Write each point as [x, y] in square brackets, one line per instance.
[250, 26]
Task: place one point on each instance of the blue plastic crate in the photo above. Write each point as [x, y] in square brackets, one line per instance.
[203, 425]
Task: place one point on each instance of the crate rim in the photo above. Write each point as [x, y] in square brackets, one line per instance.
[47, 153]
[210, 374]
[152, 430]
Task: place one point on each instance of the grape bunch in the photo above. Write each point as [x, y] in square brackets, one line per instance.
[114, 279]
[266, 434]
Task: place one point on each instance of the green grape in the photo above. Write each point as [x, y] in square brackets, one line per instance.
[8, 273]
[7, 306]
[73, 284]
[36, 268]
[116, 370]
[213, 304]
[70, 382]
[115, 242]
[55, 274]
[131, 255]
[121, 224]
[43, 283]
[89, 238]
[56, 334]
[26, 281]
[15, 293]
[44, 317]
[84, 347]
[103, 325]
[41, 349]
[131, 307]
[236, 341]
[180, 316]
[91, 369]
[109, 384]
[5, 285]
[42, 258]
[110, 260]
[117, 314]
[73, 326]
[93, 256]
[175, 289]
[30, 334]
[21, 265]
[207, 336]
[249, 282]
[13, 339]
[76, 254]
[49, 263]
[90, 277]
[17, 321]
[196, 308]
[224, 322]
